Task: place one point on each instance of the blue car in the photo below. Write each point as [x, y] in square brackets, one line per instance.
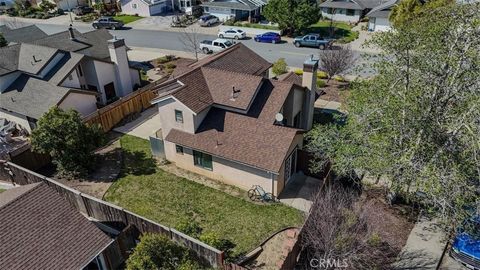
[466, 246]
[269, 37]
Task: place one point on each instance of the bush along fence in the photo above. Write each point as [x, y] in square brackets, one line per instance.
[106, 212]
[113, 113]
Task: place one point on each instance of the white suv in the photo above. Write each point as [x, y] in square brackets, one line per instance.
[232, 33]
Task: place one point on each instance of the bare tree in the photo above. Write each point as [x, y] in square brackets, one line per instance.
[337, 232]
[335, 62]
[191, 41]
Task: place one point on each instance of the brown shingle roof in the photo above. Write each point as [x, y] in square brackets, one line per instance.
[252, 139]
[41, 230]
[291, 77]
[237, 58]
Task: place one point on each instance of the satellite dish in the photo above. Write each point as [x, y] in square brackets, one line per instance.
[279, 117]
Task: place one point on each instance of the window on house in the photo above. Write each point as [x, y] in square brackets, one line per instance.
[179, 149]
[350, 12]
[178, 116]
[202, 160]
[188, 4]
[182, 3]
[205, 9]
[134, 6]
[70, 77]
[80, 71]
[232, 11]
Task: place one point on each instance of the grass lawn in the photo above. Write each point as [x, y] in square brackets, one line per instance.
[342, 31]
[168, 199]
[2, 190]
[127, 18]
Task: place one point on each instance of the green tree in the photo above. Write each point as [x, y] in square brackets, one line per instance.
[3, 41]
[279, 67]
[408, 10]
[46, 6]
[416, 125]
[292, 15]
[69, 142]
[156, 251]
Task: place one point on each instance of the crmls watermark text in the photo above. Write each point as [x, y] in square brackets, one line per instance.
[328, 263]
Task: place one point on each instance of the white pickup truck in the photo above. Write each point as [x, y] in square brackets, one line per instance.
[219, 44]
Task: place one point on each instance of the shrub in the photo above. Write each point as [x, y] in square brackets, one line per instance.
[60, 11]
[321, 83]
[322, 75]
[279, 67]
[170, 66]
[298, 72]
[47, 6]
[69, 141]
[339, 78]
[374, 240]
[156, 251]
[189, 227]
[212, 239]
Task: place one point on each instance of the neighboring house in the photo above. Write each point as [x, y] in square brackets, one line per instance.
[347, 10]
[234, 9]
[70, 73]
[23, 34]
[378, 16]
[223, 118]
[146, 8]
[41, 230]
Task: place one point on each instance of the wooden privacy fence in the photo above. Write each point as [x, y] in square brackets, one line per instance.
[135, 102]
[107, 212]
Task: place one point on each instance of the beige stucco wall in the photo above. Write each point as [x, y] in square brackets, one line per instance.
[226, 171]
[294, 104]
[166, 111]
[83, 103]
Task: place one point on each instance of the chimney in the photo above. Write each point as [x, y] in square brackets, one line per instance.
[70, 31]
[119, 57]
[309, 80]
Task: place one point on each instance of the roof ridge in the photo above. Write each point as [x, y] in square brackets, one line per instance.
[230, 71]
[217, 55]
[34, 187]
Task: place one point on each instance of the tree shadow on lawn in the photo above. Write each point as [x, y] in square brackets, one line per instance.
[138, 163]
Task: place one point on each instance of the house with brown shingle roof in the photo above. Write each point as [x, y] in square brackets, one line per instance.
[41, 230]
[223, 117]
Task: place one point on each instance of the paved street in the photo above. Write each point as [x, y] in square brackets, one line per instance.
[171, 41]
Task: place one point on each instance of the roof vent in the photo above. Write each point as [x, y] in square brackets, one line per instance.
[235, 93]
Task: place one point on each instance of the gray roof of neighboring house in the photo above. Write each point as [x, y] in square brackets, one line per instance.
[246, 5]
[23, 34]
[93, 43]
[41, 230]
[383, 10]
[64, 68]
[352, 4]
[31, 97]
[24, 57]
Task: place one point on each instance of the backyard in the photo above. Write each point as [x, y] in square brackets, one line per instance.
[171, 200]
[341, 30]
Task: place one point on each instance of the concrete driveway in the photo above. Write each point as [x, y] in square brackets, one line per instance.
[144, 126]
[299, 192]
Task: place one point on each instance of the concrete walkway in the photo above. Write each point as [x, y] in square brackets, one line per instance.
[424, 248]
[146, 125]
[298, 192]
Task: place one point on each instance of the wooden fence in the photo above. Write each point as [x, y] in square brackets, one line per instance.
[112, 114]
[107, 212]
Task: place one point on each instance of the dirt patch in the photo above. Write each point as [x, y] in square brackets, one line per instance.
[99, 181]
[274, 251]
[334, 91]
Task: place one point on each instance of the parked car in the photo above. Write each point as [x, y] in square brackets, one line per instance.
[269, 37]
[313, 40]
[82, 10]
[219, 44]
[107, 22]
[208, 20]
[232, 33]
[466, 245]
